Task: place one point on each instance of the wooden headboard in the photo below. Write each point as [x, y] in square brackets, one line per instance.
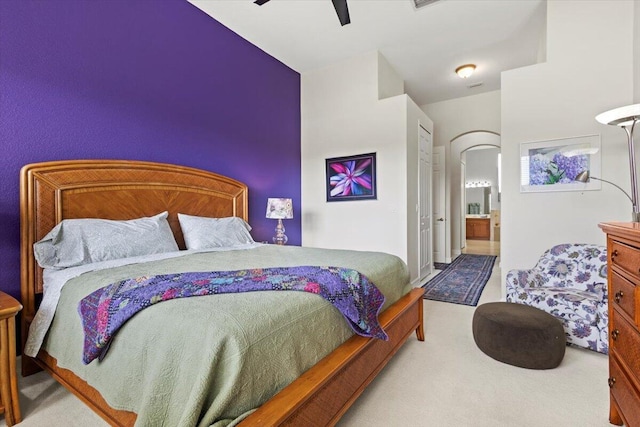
[114, 189]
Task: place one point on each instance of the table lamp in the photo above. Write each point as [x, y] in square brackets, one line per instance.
[626, 117]
[279, 208]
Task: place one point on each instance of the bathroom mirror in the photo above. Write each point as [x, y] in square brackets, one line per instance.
[478, 201]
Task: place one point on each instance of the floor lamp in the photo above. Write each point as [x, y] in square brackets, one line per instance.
[626, 117]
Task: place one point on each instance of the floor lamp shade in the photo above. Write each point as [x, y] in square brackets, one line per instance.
[626, 117]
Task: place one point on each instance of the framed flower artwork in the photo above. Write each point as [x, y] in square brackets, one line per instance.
[558, 164]
[351, 178]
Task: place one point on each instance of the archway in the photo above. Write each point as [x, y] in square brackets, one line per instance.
[459, 145]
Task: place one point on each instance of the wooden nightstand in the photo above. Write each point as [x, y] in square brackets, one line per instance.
[9, 403]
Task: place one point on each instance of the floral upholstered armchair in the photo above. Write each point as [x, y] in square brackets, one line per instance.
[570, 282]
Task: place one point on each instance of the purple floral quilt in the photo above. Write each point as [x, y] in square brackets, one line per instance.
[105, 310]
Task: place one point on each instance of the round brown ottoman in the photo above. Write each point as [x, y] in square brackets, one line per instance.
[519, 335]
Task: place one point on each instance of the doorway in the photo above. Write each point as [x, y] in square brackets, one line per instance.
[480, 176]
[456, 205]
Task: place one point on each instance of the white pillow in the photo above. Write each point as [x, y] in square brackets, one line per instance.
[204, 233]
[82, 241]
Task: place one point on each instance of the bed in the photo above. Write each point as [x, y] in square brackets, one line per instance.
[121, 190]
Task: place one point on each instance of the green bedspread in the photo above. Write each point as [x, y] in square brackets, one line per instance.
[208, 360]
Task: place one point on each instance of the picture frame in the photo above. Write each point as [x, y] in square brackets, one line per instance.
[351, 178]
[553, 165]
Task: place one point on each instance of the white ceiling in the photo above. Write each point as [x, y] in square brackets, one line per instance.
[424, 46]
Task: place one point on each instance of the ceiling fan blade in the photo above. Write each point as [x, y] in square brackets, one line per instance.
[342, 10]
[340, 5]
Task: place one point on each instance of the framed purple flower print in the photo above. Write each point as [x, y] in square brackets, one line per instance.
[560, 164]
[351, 178]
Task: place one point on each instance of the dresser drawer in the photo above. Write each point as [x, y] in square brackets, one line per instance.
[625, 341]
[625, 395]
[625, 257]
[622, 294]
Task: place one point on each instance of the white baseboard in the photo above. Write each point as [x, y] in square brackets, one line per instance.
[416, 283]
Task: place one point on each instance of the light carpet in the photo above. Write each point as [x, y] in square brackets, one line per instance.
[444, 381]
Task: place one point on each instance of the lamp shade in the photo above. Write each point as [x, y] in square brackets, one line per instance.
[622, 116]
[583, 176]
[279, 208]
[626, 117]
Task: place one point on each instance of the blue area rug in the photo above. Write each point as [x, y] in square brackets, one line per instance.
[462, 281]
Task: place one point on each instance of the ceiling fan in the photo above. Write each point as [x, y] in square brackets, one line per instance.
[340, 5]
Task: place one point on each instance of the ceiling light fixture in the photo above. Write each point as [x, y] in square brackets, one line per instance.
[466, 70]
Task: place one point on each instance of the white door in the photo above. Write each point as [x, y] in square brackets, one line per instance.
[425, 203]
[463, 205]
[439, 205]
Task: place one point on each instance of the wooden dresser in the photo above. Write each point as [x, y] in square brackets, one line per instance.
[623, 248]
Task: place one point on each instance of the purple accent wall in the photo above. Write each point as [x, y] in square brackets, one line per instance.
[142, 80]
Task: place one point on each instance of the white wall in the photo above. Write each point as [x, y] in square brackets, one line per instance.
[342, 115]
[589, 70]
[389, 82]
[452, 119]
